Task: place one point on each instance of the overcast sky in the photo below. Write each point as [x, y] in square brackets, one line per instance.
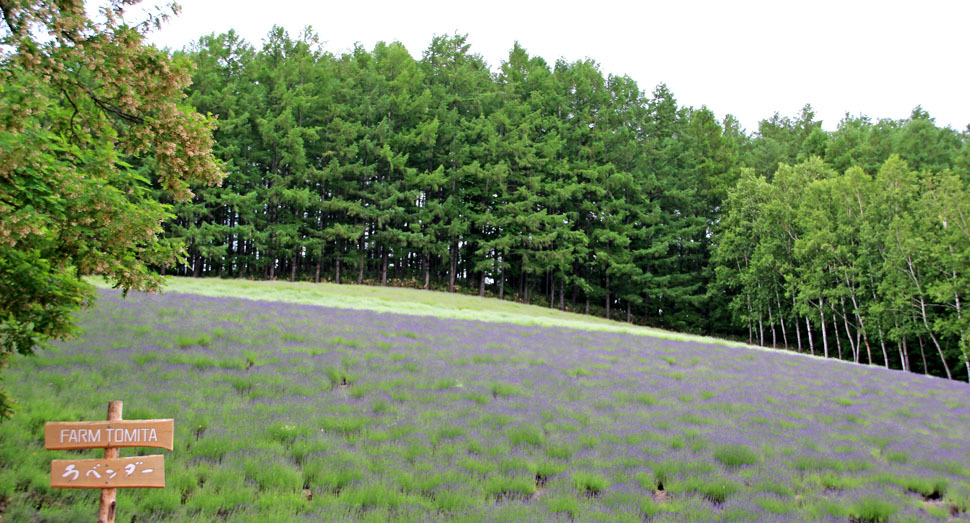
[747, 58]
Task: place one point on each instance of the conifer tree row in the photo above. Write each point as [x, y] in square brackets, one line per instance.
[555, 184]
[551, 184]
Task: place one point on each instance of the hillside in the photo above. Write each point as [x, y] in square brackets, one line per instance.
[294, 411]
[414, 301]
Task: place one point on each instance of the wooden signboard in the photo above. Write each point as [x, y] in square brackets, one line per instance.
[112, 472]
[137, 472]
[157, 433]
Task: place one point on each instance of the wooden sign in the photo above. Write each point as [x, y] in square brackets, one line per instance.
[136, 472]
[157, 433]
[112, 472]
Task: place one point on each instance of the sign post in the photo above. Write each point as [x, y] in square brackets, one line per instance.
[112, 472]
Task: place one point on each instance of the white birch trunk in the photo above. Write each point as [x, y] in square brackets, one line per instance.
[848, 333]
[825, 339]
[808, 327]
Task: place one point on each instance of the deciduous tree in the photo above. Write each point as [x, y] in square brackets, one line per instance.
[90, 119]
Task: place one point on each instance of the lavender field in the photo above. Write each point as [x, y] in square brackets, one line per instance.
[289, 412]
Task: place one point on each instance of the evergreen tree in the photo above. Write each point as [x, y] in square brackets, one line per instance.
[567, 187]
[459, 84]
[210, 223]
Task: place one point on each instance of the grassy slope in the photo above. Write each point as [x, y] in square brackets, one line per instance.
[417, 302]
[387, 417]
[402, 300]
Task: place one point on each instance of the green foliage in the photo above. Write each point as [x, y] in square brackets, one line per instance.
[565, 504]
[272, 475]
[83, 151]
[506, 390]
[538, 181]
[509, 486]
[371, 495]
[714, 489]
[591, 484]
[277, 442]
[862, 264]
[525, 434]
[733, 456]
[872, 510]
[554, 184]
[559, 185]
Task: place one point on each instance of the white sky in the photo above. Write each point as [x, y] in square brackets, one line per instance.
[748, 58]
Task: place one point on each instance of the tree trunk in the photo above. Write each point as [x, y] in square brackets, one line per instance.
[922, 352]
[481, 284]
[761, 331]
[848, 334]
[963, 334]
[362, 262]
[316, 275]
[293, 268]
[426, 267]
[858, 316]
[781, 318]
[904, 354]
[835, 331]
[562, 294]
[501, 285]
[825, 338]
[452, 265]
[939, 349]
[808, 327]
[750, 325]
[272, 269]
[383, 267]
[552, 292]
[882, 343]
[629, 312]
[771, 322]
[872, 283]
[865, 336]
[858, 343]
[337, 272]
[608, 296]
[901, 345]
[922, 310]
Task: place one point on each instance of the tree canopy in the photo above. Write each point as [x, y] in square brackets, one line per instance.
[560, 185]
[92, 127]
[548, 183]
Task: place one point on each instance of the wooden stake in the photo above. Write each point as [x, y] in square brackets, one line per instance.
[106, 514]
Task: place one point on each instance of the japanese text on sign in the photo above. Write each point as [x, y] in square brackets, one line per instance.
[134, 472]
